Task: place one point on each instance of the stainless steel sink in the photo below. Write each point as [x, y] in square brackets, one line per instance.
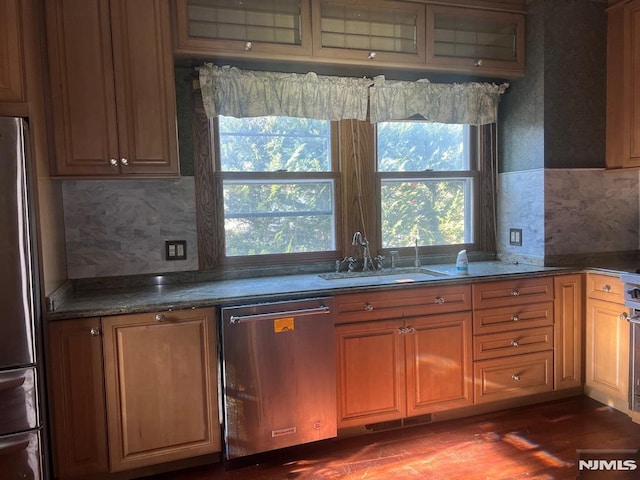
[413, 271]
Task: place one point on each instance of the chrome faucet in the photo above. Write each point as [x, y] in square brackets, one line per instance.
[359, 239]
[416, 263]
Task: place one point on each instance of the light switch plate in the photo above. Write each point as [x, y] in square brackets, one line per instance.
[515, 237]
[175, 250]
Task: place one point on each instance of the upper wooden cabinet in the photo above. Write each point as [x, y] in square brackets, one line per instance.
[112, 88]
[273, 27]
[377, 32]
[479, 39]
[12, 84]
[466, 39]
[623, 85]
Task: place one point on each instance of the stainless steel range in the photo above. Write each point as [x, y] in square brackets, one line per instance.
[632, 300]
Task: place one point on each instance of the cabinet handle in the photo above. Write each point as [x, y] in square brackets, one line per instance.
[124, 162]
[516, 377]
[113, 162]
[606, 288]
[439, 300]
[623, 316]
[515, 317]
[515, 292]
[402, 330]
[410, 330]
[368, 307]
[478, 63]
[248, 46]
[514, 343]
[95, 332]
[372, 55]
[160, 317]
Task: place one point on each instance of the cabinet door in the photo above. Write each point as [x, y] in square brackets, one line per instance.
[439, 363]
[607, 356]
[76, 386]
[248, 28]
[369, 32]
[12, 88]
[161, 387]
[470, 39]
[82, 88]
[145, 87]
[568, 330]
[371, 374]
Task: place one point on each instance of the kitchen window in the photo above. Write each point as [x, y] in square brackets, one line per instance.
[278, 185]
[427, 176]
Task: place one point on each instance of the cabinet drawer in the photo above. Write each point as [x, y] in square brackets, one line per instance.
[512, 292]
[497, 320]
[516, 342]
[374, 305]
[514, 376]
[605, 287]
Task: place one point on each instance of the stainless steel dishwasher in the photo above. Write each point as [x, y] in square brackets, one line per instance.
[279, 375]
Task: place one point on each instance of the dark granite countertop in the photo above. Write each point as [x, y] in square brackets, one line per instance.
[162, 297]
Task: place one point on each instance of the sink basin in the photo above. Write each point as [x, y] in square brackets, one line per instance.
[381, 273]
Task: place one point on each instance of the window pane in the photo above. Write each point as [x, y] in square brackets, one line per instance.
[436, 212]
[271, 144]
[278, 217]
[419, 146]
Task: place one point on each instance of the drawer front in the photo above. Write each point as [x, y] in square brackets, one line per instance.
[512, 292]
[18, 402]
[498, 320]
[514, 376]
[605, 287]
[495, 345]
[363, 307]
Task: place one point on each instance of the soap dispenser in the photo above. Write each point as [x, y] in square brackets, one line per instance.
[462, 263]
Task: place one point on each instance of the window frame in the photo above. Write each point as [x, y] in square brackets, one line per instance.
[276, 258]
[475, 174]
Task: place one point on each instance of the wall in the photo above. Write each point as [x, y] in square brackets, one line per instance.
[552, 182]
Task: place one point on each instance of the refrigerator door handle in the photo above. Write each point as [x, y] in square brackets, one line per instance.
[12, 383]
[13, 446]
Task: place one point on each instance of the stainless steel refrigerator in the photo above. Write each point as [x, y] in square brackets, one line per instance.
[21, 425]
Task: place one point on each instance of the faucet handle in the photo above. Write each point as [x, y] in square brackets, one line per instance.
[394, 258]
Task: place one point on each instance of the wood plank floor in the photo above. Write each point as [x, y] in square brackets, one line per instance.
[530, 442]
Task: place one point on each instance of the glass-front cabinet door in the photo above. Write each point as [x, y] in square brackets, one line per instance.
[270, 27]
[465, 39]
[383, 32]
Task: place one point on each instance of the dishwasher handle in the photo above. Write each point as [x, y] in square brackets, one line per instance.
[235, 319]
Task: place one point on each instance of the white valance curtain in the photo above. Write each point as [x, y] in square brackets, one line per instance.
[240, 93]
[469, 103]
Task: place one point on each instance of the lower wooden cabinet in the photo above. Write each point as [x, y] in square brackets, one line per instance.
[514, 376]
[157, 392]
[568, 330]
[76, 386]
[607, 353]
[388, 370]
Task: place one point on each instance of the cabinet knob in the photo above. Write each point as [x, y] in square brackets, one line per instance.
[113, 162]
[439, 300]
[402, 330]
[515, 292]
[410, 330]
[372, 55]
[368, 307]
[606, 288]
[248, 46]
[95, 332]
[477, 63]
[623, 316]
[124, 161]
[160, 317]
[514, 343]
[515, 317]
[516, 377]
